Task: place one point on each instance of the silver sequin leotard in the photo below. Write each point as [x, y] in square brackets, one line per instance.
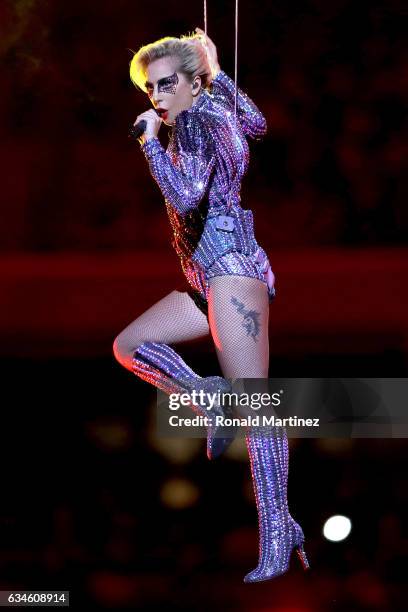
[199, 174]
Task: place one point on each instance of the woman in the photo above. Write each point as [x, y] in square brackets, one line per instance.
[230, 278]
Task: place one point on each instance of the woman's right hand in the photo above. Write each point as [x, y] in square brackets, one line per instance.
[153, 123]
[211, 52]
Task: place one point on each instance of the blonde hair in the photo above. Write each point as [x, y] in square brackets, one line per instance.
[188, 51]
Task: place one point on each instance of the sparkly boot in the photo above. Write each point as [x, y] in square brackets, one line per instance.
[279, 533]
[160, 365]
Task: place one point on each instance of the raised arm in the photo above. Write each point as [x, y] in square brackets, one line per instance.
[251, 119]
[184, 185]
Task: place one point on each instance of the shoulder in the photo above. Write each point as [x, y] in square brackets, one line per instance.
[199, 123]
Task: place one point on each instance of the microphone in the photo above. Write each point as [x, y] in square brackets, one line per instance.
[137, 130]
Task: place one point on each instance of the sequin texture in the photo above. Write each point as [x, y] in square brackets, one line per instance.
[160, 365]
[279, 533]
[200, 176]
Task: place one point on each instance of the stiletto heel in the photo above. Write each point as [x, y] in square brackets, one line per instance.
[302, 557]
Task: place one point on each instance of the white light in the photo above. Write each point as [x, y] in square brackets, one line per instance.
[337, 528]
[200, 185]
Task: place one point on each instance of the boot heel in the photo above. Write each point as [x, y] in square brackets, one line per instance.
[302, 557]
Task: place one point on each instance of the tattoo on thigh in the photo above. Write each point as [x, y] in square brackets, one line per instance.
[251, 319]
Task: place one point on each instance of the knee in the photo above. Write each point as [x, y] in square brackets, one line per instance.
[118, 349]
[123, 350]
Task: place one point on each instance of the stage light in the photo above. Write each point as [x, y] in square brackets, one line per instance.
[337, 528]
[179, 493]
[110, 434]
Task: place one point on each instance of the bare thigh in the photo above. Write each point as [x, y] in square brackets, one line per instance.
[175, 318]
[238, 312]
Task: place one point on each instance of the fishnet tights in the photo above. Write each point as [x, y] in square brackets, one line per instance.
[238, 309]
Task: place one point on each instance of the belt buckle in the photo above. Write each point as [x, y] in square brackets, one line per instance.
[225, 223]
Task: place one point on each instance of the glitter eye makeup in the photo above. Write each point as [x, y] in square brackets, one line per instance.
[169, 84]
[165, 85]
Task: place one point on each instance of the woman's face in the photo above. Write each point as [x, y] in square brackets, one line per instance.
[170, 90]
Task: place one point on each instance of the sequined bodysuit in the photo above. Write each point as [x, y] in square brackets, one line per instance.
[199, 174]
[200, 177]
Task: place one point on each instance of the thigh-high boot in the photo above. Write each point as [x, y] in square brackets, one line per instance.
[279, 533]
[160, 365]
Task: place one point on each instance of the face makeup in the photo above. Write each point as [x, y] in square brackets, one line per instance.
[165, 85]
